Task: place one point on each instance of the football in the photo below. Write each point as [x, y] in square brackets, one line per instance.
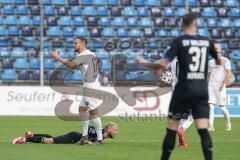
[165, 79]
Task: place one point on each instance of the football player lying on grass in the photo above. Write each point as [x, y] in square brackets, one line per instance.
[109, 131]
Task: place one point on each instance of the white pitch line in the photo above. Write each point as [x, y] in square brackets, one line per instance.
[154, 140]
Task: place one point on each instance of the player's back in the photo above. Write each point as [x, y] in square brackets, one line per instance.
[192, 53]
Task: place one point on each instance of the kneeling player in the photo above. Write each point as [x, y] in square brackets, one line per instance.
[109, 131]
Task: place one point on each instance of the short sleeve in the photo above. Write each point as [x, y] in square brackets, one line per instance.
[172, 51]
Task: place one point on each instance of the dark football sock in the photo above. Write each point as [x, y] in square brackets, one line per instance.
[168, 144]
[206, 143]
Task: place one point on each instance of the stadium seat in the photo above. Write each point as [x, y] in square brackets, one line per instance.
[81, 31]
[139, 2]
[73, 2]
[232, 3]
[233, 45]
[102, 54]
[122, 32]
[77, 76]
[59, 2]
[102, 11]
[34, 63]
[30, 42]
[156, 12]
[119, 21]
[212, 22]
[142, 12]
[128, 12]
[35, 10]
[224, 23]
[193, 3]
[27, 31]
[98, 2]
[11, 20]
[201, 22]
[146, 22]
[49, 11]
[51, 21]
[166, 2]
[197, 11]
[89, 11]
[222, 12]
[78, 21]
[23, 75]
[113, 2]
[98, 44]
[1, 21]
[104, 21]
[108, 32]
[21, 63]
[22, 10]
[205, 3]
[95, 32]
[234, 12]
[159, 22]
[148, 32]
[86, 2]
[76, 11]
[175, 33]
[135, 33]
[62, 11]
[132, 22]
[238, 34]
[216, 33]
[54, 31]
[25, 21]
[4, 42]
[9, 74]
[236, 23]
[230, 33]
[67, 32]
[126, 2]
[18, 53]
[152, 45]
[92, 21]
[33, 2]
[115, 11]
[180, 12]
[36, 75]
[179, 3]
[203, 32]
[20, 2]
[13, 31]
[3, 31]
[168, 12]
[65, 21]
[106, 65]
[8, 10]
[36, 21]
[153, 3]
[47, 2]
[7, 63]
[161, 33]
[49, 64]
[209, 12]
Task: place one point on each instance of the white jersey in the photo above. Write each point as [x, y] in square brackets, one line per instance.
[218, 72]
[84, 67]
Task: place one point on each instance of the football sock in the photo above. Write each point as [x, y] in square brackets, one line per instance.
[168, 144]
[211, 116]
[206, 143]
[226, 113]
[98, 126]
[85, 125]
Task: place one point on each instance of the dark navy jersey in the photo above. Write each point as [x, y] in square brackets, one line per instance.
[192, 53]
[92, 135]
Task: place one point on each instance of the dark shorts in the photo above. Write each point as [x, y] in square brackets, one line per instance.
[69, 138]
[182, 107]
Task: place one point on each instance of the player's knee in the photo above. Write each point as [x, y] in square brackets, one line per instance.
[172, 124]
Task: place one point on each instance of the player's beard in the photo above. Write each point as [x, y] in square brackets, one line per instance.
[110, 135]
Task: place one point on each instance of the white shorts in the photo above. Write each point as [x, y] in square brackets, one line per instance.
[89, 102]
[217, 97]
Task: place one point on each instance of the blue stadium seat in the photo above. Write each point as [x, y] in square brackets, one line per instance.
[148, 32]
[36, 75]
[168, 12]
[11, 20]
[128, 12]
[216, 33]
[49, 64]
[197, 11]
[115, 11]
[65, 21]
[67, 32]
[146, 22]
[20, 2]
[161, 33]
[4, 42]
[193, 3]
[132, 22]
[62, 11]
[73, 2]
[102, 54]
[230, 33]
[224, 23]
[142, 12]
[231, 3]
[86, 2]
[171, 22]
[71, 53]
[159, 22]
[153, 3]
[7, 63]
[21, 63]
[5, 53]
[95, 32]
[34, 63]
[49, 11]
[209, 12]
[54, 31]
[76, 11]
[106, 65]
[236, 23]
[13, 31]
[108, 32]
[98, 43]
[135, 33]
[152, 45]
[22, 10]
[155, 12]
[234, 12]
[59, 2]
[1, 20]
[201, 22]
[235, 54]
[78, 21]
[83, 31]
[203, 32]
[99, 2]
[238, 34]
[212, 22]
[30, 42]
[36, 21]
[119, 21]
[23, 75]
[33, 2]
[51, 21]
[222, 12]
[35, 10]
[3, 31]
[27, 31]
[205, 3]
[18, 53]
[104, 21]
[92, 21]
[25, 21]
[77, 76]
[179, 3]
[126, 2]
[217, 3]
[139, 2]
[89, 11]
[9, 74]
[47, 2]
[175, 33]
[113, 2]
[8, 10]
[6, 1]
[122, 32]
[180, 12]
[102, 11]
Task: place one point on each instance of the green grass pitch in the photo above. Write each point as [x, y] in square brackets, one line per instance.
[137, 140]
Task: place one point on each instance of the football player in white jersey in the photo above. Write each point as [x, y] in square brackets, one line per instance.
[88, 105]
[184, 123]
[218, 77]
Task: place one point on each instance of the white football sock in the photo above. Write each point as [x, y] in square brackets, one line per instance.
[85, 125]
[211, 116]
[98, 127]
[226, 113]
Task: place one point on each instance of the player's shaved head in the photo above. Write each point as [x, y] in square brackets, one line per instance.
[189, 20]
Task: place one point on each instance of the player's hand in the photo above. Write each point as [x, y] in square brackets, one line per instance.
[140, 59]
[54, 54]
[221, 87]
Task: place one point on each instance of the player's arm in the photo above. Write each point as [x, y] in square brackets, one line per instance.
[161, 64]
[68, 63]
[228, 74]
